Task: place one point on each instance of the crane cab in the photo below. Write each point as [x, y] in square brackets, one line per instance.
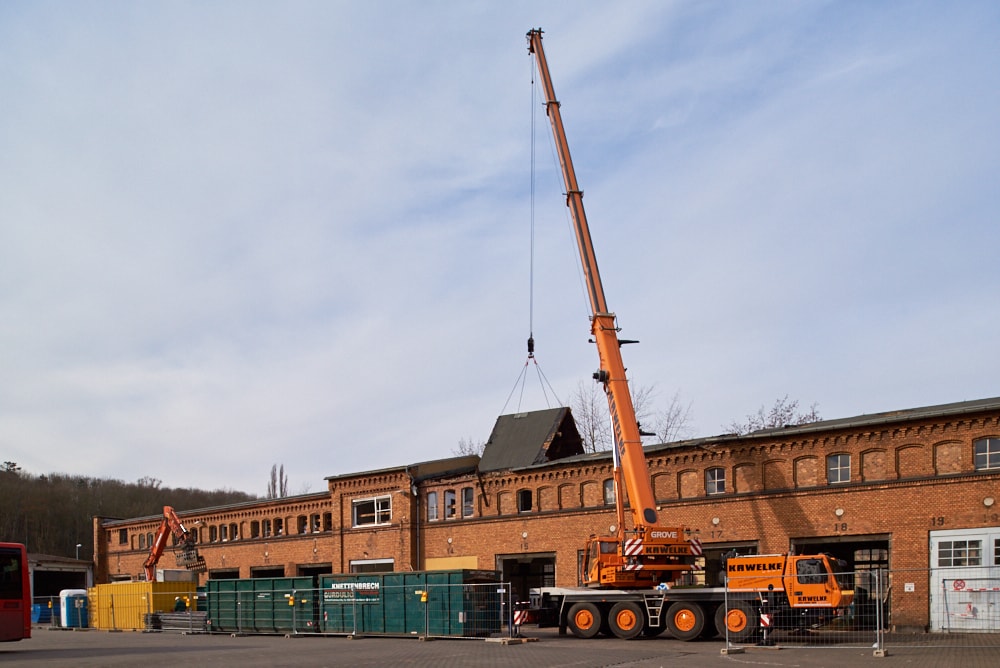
[641, 558]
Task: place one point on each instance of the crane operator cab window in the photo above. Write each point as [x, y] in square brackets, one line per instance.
[810, 571]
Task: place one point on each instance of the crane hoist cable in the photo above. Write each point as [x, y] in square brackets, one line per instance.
[531, 359]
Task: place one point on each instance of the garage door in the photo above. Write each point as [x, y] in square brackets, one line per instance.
[965, 580]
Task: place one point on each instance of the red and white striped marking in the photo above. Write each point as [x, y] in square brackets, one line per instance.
[520, 617]
[632, 547]
[633, 567]
[696, 547]
[765, 620]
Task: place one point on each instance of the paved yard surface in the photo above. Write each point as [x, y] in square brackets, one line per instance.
[54, 647]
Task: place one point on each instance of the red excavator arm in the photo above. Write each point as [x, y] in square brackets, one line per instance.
[187, 556]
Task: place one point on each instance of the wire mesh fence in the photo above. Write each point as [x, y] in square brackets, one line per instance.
[968, 604]
[810, 608]
[879, 609]
[145, 607]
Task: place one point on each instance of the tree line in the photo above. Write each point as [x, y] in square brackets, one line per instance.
[53, 513]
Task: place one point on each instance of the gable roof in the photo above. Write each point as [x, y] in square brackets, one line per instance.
[524, 439]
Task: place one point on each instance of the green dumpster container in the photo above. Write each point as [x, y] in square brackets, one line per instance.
[263, 605]
[436, 603]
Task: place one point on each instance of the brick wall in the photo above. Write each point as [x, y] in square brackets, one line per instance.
[906, 479]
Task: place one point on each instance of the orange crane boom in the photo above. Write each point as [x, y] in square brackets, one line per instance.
[628, 443]
[653, 553]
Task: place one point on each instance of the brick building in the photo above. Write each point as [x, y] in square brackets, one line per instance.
[910, 492]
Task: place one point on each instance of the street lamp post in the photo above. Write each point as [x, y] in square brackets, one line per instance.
[78, 546]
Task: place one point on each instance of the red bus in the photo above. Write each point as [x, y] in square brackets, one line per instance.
[15, 593]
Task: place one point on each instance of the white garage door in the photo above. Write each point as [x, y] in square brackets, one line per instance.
[965, 580]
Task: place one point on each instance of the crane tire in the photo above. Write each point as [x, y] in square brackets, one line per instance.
[738, 623]
[584, 620]
[626, 620]
[685, 621]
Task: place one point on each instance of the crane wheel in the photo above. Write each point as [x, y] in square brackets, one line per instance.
[738, 623]
[584, 620]
[626, 620]
[685, 620]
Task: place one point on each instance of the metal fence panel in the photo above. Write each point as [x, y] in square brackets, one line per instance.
[969, 605]
[750, 616]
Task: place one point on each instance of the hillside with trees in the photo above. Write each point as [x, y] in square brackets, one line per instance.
[52, 513]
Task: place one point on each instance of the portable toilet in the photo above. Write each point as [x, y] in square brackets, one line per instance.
[73, 608]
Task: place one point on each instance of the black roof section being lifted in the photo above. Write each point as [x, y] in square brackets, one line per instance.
[526, 439]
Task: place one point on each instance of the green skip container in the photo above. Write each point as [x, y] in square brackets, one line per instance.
[262, 605]
[459, 603]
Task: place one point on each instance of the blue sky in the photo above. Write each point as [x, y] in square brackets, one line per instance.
[238, 234]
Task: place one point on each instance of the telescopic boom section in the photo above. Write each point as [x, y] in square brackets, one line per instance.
[628, 444]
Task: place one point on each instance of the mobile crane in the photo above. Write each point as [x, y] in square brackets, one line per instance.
[187, 553]
[627, 576]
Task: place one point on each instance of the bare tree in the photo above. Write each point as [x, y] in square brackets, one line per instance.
[149, 481]
[590, 411]
[469, 446]
[278, 485]
[782, 414]
[670, 423]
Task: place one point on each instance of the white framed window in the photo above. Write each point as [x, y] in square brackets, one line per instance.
[468, 501]
[715, 480]
[372, 512]
[838, 468]
[450, 505]
[432, 506]
[609, 492]
[987, 453]
[960, 553]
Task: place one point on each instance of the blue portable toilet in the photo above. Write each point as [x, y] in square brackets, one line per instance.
[73, 608]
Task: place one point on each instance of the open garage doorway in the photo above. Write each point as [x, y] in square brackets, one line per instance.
[862, 553]
[711, 572]
[867, 556]
[525, 572]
